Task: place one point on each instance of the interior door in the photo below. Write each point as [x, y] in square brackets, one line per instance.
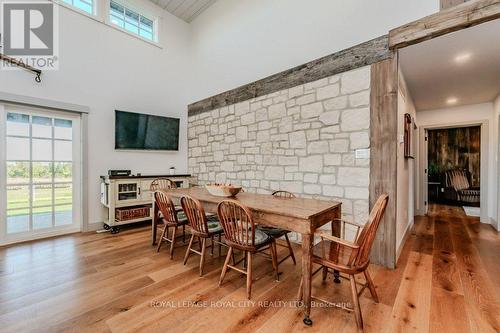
[40, 173]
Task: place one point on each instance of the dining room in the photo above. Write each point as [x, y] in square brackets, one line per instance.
[231, 166]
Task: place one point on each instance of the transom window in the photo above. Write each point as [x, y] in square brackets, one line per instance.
[84, 5]
[131, 21]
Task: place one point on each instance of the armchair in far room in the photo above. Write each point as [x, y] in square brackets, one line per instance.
[458, 187]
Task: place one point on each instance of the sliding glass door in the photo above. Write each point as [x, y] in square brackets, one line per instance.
[41, 173]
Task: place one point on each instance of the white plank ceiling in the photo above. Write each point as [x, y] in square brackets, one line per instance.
[186, 10]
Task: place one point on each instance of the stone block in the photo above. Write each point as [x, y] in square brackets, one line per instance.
[297, 139]
[353, 176]
[274, 173]
[330, 118]
[355, 119]
[311, 110]
[311, 163]
[355, 80]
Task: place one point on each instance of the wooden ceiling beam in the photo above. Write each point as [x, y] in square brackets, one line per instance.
[448, 20]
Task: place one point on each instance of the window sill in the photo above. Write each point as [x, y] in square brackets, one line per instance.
[98, 19]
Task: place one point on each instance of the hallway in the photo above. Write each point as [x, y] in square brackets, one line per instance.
[465, 289]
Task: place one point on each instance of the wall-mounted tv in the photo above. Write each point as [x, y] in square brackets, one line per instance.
[136, 131]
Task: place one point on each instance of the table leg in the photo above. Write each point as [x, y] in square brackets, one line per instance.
[154, 224]
[336, 233]
[307, 245]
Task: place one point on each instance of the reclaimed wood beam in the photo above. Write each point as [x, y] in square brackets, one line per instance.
[357, 56]
[383, 155]
[459, 17]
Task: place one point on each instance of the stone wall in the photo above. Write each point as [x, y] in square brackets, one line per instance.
[301, 139]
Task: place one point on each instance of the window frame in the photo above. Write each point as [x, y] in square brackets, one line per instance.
[127, 5]
[102, 15]
[95, 10]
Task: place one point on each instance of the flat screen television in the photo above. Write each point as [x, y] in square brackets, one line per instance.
[136, 131]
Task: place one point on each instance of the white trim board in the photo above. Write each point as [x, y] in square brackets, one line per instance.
[42, 103]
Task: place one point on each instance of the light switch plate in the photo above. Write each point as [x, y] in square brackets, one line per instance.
[362, 153]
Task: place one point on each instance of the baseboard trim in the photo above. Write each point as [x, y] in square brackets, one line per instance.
[405, 238]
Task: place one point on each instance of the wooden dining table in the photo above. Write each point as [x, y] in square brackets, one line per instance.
[301, 215]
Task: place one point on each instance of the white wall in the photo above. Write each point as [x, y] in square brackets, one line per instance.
[236, 42]
[406, 168]
[472, 114]
[107, 69]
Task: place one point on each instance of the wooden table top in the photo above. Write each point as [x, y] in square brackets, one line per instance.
[301, 208]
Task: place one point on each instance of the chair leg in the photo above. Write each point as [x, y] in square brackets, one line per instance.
[371, 285]
[188, 251]
[212, 247]
[274, 257]
[184, 233]
[299, 294]
[174, 232]
[249, 274]
[220, 245]
[290, 249]
[224, 268]
[357, 308]
[161, 238]
[324, 273]
[202, 259]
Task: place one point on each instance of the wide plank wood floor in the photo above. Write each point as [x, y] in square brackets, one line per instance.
[447, 280]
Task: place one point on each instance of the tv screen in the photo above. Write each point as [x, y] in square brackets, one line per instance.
[145, 132]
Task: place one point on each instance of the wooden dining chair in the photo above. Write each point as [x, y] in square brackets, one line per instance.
[241, 234]
[202, 228]
[171, 219]
[162, 184]
[278, 232]
[350, 257]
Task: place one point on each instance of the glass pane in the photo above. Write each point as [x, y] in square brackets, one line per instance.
[63, 150]
[131, 28]
[41, 127]
[63, 129]
[42, 196]
[42, 150]
[83, 5]
[18, 172]
[18, 221]
[18, 197]
[18, 124]
[42, 172]
[63, 172]
[18, 149]
[146, 34]
[64, 215]
[42, 218]
[63, 194]
[132, 17]
[116, 8]
[146, 23]
[118, 21]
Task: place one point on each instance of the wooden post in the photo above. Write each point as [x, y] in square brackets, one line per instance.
[383, 156]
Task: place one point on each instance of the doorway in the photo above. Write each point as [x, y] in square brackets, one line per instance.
[476, 156]
[40, 171]
[454, 168]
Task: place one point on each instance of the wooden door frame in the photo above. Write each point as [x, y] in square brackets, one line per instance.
[485, 156]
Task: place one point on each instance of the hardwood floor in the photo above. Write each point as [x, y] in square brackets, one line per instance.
[447, 280]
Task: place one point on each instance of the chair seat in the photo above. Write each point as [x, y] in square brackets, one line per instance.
[214, 225]
[273, 232]
[333, 253]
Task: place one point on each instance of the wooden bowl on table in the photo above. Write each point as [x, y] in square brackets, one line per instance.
[223, 190]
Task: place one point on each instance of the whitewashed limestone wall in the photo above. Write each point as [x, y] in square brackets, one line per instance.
[301, 139]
